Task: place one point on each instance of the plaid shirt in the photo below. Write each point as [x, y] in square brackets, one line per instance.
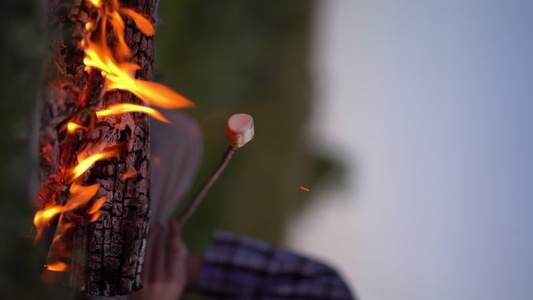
[243, 268]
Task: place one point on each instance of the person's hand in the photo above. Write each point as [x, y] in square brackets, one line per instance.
[164, 274]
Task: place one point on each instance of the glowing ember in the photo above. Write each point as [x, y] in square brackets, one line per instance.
[126, 108]
[88, 25]
[305, 189]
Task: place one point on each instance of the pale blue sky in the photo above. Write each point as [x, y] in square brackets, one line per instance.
[431, 104]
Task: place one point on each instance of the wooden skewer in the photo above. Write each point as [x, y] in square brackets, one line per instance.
[239, 131]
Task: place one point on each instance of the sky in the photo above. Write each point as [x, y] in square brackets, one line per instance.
[430, 105]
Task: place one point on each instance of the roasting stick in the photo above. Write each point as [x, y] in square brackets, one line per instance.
[239, 131]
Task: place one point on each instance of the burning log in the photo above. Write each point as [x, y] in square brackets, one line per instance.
[94, 141]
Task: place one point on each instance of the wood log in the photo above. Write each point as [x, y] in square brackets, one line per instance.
[103, 256]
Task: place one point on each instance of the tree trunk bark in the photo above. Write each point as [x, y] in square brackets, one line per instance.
[103, 256]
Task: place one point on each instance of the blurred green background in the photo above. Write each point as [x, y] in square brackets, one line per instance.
[227, 57]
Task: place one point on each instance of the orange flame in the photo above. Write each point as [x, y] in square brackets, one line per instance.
[128, 174]
[96, 3]
[96, 205]
[65, 228]
[42, 217]
[120, 75]
[85, 164]
[72, 127]
[58, 266]
[144, 25]
[126, 108]
[94, 211]
[79, 196]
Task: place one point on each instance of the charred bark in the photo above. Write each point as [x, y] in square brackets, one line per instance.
[103, 256]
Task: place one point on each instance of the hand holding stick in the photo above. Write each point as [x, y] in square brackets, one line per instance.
[239, 131]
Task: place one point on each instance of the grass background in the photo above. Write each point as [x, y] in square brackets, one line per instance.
[227, 57]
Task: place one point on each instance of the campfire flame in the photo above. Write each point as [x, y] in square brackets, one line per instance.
[85, 164]
[79, 196]
[58, 266]
[126, 107]
[119, 75]
[128, 174]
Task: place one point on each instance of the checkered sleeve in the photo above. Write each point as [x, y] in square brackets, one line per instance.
[243, 268]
